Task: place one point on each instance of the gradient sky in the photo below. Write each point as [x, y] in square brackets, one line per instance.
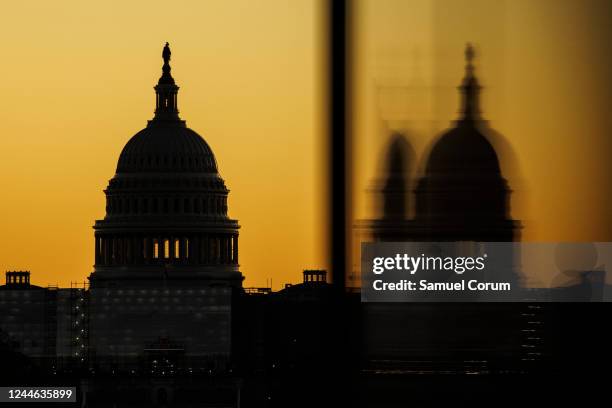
[77, 82]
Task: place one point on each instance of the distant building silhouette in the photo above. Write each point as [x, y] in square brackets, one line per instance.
[48, 325]
[292, 338]
[166, 253]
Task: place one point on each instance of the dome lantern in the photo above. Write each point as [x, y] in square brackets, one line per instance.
[166, 91]
[470, 88]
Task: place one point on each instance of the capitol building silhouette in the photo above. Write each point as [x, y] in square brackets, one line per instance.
[166, 253]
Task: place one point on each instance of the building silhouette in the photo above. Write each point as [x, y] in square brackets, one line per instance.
[166, 253]
[45, 324]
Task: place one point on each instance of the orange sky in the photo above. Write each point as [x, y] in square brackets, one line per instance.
[77, 82]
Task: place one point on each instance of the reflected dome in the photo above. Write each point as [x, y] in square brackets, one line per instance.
[463, 149]
[463, 195]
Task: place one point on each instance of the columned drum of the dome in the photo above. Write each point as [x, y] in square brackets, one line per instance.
[166, 252]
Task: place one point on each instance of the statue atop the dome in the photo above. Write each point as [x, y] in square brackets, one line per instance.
[166, 53]
[470, 88]
[469, 53]
[166, 76]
